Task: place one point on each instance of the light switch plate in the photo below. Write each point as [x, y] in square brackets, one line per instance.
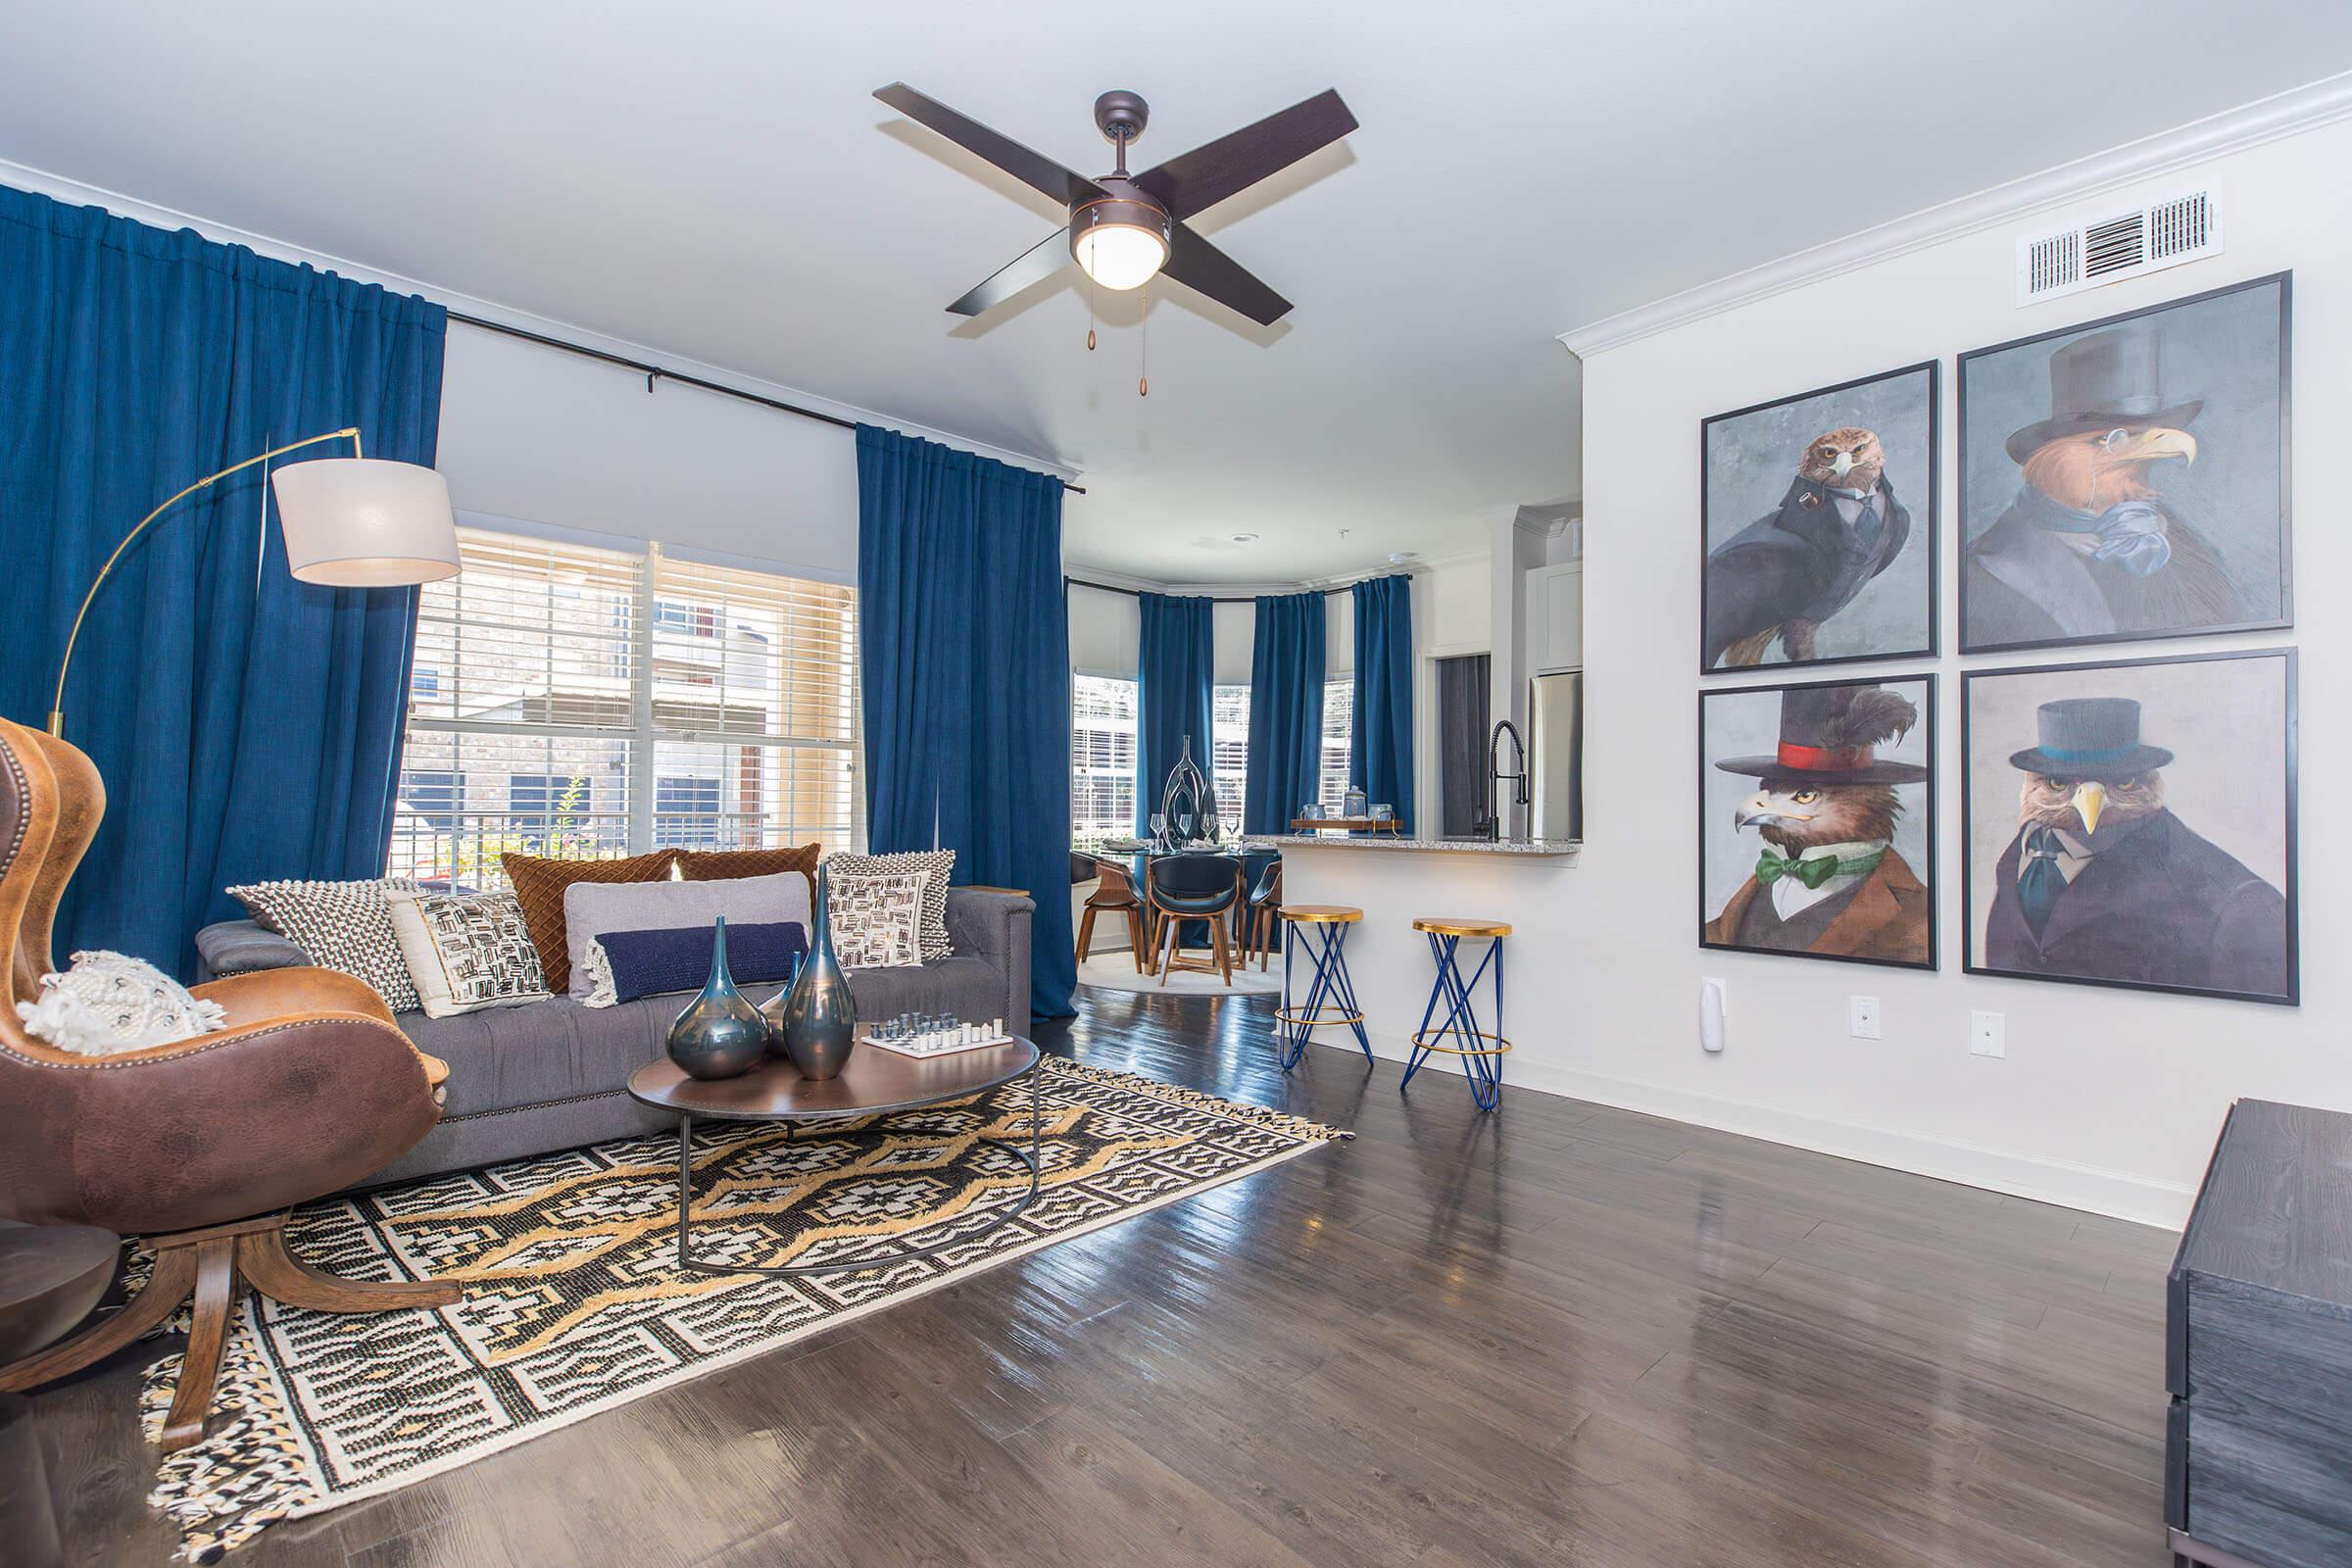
[1987, 1034]
[1864, 1017]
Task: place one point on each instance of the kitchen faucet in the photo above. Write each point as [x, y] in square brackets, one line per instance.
[1491, 825]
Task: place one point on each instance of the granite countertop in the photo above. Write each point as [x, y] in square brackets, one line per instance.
[1532, 848]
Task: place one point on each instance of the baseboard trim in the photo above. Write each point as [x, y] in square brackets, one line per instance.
[2266, 119]
[2119, 1194]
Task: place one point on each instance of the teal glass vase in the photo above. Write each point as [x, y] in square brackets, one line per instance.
[815, 1024]
[720, 1034]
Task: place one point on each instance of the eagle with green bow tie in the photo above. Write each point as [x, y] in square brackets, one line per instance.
[1828, 880]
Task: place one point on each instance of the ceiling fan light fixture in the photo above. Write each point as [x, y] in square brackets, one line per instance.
[1119, 241]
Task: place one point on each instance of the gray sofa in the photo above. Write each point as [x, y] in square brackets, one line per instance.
[553, 1074]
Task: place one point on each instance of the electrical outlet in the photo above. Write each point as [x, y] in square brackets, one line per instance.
[1987, 1034]
[1864, 1017]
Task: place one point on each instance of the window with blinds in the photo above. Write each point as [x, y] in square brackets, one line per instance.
[1229, 752]
[1103, 727]
[1339, 722]
[580, 702]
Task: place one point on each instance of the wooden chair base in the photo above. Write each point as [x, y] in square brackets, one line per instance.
[1221, 958]
[1134, 914]
[211, 1265]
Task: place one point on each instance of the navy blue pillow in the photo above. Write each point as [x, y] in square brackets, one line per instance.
[646, 963]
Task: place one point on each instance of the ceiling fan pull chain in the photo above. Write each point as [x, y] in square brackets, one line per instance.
[1089, 315]
[1143, 379]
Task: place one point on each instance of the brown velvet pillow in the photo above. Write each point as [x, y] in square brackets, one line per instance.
[539, 885]
[725, 866]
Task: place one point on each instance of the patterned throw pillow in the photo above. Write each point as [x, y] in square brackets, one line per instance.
[936, 865]
[109, 1003]
[877, 916]
[344, 926]
[539, 885]
[466, 951]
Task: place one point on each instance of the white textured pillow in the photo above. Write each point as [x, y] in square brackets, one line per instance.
[592, 908]
[465, 951]
[937, 865]
[343, 926]
[108, 1002]
[877, 916]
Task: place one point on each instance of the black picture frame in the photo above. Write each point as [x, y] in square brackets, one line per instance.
[1970, 956]
[2284, 282]
[1930, 823]
[1927, 514]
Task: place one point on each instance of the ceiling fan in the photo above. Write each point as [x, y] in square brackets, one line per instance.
[1124, 227]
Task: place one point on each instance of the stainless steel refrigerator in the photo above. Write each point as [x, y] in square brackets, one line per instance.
[1556, 749]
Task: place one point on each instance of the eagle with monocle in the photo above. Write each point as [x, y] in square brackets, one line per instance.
[2091, 548]
[1829, 880]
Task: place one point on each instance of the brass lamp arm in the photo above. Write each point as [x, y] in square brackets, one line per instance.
[57, 708]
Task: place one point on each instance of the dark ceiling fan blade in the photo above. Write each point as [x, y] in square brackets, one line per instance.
[1032, 168]
[1196, 264]
[1209, 174]
[1040, 262]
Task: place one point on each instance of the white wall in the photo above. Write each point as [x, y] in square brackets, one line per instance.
[2108, 1099]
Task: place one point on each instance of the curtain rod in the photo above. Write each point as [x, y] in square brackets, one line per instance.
[1214, 599]
[654, 372]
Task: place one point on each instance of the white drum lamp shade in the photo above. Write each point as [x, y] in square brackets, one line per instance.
[365, 523]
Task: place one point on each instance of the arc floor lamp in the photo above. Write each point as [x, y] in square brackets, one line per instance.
[350, 522]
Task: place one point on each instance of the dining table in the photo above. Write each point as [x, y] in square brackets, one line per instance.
[1136, 855]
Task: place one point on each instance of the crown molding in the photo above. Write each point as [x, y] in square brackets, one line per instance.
[2267, 120]
[62, 188]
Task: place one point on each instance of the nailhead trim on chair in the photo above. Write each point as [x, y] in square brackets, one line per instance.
[15, 770]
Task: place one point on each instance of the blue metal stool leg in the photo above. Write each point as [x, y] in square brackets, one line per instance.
[1331, 987]
[1342, 987]
[1482, 1064]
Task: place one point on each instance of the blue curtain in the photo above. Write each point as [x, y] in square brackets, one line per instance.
[964, 646]
[1381, 759]
[247, 725]
[1173, 676]
[1286, 710]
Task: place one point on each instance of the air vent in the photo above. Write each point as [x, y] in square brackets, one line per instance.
[2180, 227]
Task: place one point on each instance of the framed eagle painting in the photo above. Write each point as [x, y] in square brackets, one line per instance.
[2127, 478]
[1817, 520]
[1817, 821]
[2132, 823]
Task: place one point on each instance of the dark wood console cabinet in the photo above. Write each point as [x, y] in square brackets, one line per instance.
[2258, 1347]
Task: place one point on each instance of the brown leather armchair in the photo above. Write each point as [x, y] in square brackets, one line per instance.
[198, 1147]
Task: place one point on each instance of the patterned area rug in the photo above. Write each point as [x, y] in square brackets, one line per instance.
[573, 1303]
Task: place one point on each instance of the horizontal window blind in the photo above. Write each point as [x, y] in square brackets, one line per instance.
[1103, 720]
[753, 682]
[1339, 722]
[581, 701]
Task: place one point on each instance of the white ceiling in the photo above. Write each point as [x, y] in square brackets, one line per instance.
[715, 182]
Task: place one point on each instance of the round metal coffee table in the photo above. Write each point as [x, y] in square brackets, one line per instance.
[876, 1082]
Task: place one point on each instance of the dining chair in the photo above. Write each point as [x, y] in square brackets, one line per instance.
[1116, 896]
[1194, 887]
[1263, 914]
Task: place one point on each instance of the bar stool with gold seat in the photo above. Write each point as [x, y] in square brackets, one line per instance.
[1320, 930]
[1459, 1034]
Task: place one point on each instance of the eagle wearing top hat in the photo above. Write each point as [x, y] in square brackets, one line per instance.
[1827, 879]
[2091, 548]
[2103, 882]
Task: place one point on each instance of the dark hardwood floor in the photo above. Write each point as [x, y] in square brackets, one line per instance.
[1561, 1334]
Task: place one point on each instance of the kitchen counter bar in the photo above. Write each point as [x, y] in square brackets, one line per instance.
[1389, 844]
